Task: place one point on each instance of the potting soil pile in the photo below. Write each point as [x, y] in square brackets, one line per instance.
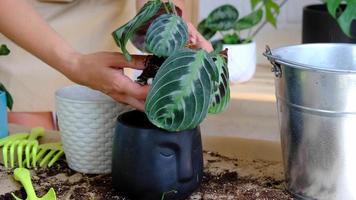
[224, 178]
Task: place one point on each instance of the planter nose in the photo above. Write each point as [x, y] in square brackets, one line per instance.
[185, 166]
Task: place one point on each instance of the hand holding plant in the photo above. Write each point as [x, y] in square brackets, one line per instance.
[197, 39]
[104, 71]
[190, 82]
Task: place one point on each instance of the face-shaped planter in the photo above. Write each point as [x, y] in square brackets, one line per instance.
[149, 162]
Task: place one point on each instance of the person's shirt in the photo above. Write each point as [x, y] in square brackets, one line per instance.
[85, 24]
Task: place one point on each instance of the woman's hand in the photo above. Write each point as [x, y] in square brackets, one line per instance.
[197, 39]
[104, 71]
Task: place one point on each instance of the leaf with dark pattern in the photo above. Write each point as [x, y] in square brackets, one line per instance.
[221, 93]
[181, 92]
[167, 34]
[125, 32]
[205, 31]
[222, 18]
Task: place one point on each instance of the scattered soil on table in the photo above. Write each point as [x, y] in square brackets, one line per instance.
[224, 179]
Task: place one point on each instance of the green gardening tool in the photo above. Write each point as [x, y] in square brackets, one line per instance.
[22, 142]
[35, 153]
[53, 150]
[23, 176]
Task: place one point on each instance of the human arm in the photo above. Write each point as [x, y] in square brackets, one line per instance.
[102, 71]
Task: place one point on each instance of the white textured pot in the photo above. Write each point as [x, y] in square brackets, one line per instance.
[87, 120]
[241, 61]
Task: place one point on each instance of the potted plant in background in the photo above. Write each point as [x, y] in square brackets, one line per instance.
[333, 21]
[158, 154]
[237, 33]
[6, 100]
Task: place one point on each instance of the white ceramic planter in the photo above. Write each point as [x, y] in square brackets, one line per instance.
[241, 61]
[87, 120]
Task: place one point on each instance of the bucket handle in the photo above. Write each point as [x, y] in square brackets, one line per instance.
[272, 58]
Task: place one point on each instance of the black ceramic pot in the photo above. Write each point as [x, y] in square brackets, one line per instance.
[149, 162]
[320, 27]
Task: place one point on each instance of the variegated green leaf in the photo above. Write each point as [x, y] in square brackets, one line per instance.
[167, 34]
[138, 38]
[205, 31]
[180, 95]
[221, 93]
[125, 32]
[222, 18]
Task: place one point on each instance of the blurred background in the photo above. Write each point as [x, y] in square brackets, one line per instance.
[289, 25]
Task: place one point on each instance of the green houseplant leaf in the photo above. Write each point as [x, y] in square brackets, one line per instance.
[167, 34]
[180, 95]
[231, 39]
[249, 21]
[222, 18]
[4, 50]
[332, 6]
[346, 18]
[221, 93]
[224, 21]
[344, 15]
[205, 31]
[271, 8]
[254, 3]
[125, 32]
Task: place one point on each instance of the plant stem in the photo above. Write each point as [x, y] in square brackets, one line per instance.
[265, 22]
[249, 33]
[166, 8]
[221, 34]
[173, 7]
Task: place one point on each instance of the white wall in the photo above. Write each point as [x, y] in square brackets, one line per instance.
[289, 22]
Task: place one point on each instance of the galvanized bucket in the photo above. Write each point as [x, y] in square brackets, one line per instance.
[316, 99]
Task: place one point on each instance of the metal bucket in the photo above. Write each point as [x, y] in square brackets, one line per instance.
[316, 99]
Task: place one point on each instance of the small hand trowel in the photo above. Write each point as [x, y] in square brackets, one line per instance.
[23, 176]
